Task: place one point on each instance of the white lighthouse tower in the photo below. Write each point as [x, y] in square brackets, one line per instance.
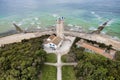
[53, 41]
[60, 27]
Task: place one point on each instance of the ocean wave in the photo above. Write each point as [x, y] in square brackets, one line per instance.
[70, 25]
[38, 27]
[111, 22]
[13, 21]
[115, 38]
[79, 27]
[55, 15]
[104, 32]
[93, 12]
[36, 18]
[39, 23]
[97, 16]
[92, 28]
[32, 23]
[20, 23]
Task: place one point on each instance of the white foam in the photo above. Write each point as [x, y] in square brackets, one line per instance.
[92, 28]
[36, 18]
[32, 23]
[110, 22]
[104, 32]
[13, 21]
[93, 12]
[77, 26]
[96, 15]
[70, 25]
[27, 19]
[20, 23]
[55, 15]
[38, 27]
[116, 38]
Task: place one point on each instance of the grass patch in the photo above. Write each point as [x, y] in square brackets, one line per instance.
[68, 73]
[49, 73]
[64, 58]
[51, 57]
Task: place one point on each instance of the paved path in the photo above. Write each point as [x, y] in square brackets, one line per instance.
[59, 65]
[61, 51]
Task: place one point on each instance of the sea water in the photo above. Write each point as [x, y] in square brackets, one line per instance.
[43, 13]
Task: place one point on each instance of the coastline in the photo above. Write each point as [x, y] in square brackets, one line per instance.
[8, 33]
[21, 36]
[18, 37]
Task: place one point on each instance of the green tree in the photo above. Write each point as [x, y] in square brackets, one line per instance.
[42, 54]
[117, 56]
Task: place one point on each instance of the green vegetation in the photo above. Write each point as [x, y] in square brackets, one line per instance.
[68, 73]
[101, 45]
[68, 58]
[94, 66]
[49, 73]
[64, 58]
[117, 56]
[51, 57]
[23, 60]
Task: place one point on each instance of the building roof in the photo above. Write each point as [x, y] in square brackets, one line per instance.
[51, 37]
[56, 40]
[95, 49]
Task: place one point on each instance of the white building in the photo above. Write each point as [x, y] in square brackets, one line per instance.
[53, 41]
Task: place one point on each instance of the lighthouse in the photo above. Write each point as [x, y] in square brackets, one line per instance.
[60, 27]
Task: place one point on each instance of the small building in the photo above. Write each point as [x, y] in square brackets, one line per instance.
[53, 42]
[94, 48]
[50, 38]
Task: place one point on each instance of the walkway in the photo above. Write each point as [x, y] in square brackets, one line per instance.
[61, 51]
[95, 37]
[21, 36]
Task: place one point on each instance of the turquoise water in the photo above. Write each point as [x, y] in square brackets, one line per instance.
[38, 13]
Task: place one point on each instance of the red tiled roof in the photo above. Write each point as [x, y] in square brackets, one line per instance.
[57, 40]
[51, 37]
[95, 49]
